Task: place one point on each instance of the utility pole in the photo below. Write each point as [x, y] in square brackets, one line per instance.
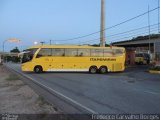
[102, 34]
[3, 44]
[158, 18]
[149, 31]
[50, 42]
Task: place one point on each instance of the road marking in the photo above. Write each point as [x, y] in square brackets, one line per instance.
[151, 92]
[60, 94]
[145, 91]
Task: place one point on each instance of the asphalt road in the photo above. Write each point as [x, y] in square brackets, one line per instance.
[133, 91]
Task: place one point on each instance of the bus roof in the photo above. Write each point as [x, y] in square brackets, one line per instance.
[71, 46]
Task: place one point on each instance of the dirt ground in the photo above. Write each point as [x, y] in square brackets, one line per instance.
[18, 98]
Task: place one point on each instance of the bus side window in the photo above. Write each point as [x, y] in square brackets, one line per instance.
[58, 52]
[108, 52]
[84, 52]
[117, 51]
[81, 54]
[71, 52]
[97, 52]
[44, 52]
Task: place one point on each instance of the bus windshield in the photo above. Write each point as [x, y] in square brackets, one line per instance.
[28, 55]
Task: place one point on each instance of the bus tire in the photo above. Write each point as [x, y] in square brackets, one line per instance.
[103, 69]
[93, 69]
[38, 69]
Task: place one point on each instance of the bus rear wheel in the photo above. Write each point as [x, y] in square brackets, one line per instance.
[93, 69]
[38, 69]
[103, 69]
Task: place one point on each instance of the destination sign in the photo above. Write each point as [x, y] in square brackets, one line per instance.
[102, 59]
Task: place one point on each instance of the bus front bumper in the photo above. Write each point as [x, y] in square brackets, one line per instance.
[26, 68]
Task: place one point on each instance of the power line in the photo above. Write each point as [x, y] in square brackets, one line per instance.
[111, 26]
[130, 30]
[135, 35]
[113, 35]
[134, 32]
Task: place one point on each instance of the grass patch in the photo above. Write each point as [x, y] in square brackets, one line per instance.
[41, 101]
[12, 77]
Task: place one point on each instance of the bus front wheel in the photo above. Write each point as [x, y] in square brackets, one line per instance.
[38, 69]
[93, 69]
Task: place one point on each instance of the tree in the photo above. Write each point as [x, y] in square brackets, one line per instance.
[14, 58]
[98, 45]
[15, 50]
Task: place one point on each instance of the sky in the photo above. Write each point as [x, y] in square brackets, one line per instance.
[59, 20]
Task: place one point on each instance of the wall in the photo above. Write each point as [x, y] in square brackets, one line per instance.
[130, 57]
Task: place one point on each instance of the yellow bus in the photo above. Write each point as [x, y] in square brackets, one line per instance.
[45, 58]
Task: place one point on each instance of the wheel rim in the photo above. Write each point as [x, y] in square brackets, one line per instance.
[103, 70]
[37, 69]
[93, 70]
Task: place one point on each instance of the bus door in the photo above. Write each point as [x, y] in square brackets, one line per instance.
[44, 58]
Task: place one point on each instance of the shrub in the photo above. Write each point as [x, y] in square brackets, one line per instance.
[156, 68]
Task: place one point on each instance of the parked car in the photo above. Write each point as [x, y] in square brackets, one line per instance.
[142, 58]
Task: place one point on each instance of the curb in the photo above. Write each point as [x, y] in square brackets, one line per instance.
[154, 72]
[130, 66]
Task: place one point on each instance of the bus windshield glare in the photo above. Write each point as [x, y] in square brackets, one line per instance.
[28, 55]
